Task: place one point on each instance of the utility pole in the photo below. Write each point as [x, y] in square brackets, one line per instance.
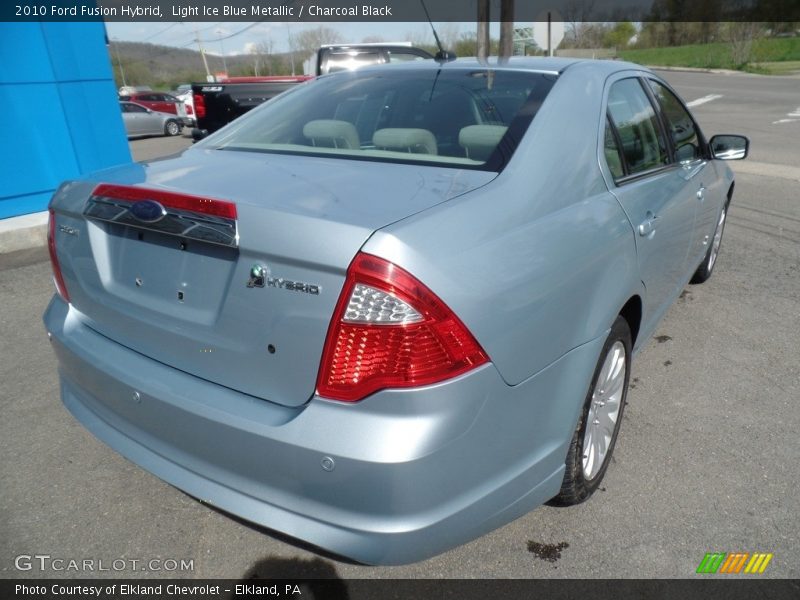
[506, 29]
[222, 50]
[203, 55]
[119, 62]
[291, 48]
[483, 30]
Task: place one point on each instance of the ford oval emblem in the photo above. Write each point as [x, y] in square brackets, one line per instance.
[148, 211]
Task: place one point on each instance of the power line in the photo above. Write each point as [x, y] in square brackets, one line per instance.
[151, 57]
[192, 41]
[210, 26]
[157, 33]
[227, 37]
[195, 40]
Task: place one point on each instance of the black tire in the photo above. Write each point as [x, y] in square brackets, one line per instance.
[172, 127]
[710, 259]
[576, 487]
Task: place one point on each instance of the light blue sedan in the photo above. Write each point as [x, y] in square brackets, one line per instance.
[391, 309]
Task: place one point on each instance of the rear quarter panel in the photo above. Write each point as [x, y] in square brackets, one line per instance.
[539, 261]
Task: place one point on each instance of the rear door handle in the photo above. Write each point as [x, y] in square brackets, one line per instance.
[648, 227]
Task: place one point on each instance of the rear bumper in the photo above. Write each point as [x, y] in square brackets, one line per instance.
[415, 472]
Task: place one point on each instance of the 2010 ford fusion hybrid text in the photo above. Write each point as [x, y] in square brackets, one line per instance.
[394, 308]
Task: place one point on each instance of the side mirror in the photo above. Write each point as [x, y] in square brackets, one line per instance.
[729, 147]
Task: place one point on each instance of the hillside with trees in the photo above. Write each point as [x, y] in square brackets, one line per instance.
[165, 67]
[727, 45]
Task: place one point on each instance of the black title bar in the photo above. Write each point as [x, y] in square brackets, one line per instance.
[739, 588]
[773, 11]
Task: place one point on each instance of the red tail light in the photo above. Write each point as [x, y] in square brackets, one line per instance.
[199, 105]
[390, 331]
[189, 110]
[58, 278]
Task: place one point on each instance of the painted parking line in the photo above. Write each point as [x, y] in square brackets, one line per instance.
[703, 100]
[794, 113]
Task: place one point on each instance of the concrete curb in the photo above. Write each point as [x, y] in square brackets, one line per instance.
[701, 70]
[22, 233]
[723, 72]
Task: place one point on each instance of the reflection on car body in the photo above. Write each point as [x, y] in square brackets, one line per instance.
[489, 246]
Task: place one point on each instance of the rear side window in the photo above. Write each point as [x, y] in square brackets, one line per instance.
[642, 142]
[682, 128]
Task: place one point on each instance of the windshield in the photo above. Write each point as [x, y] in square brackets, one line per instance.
[471, 118]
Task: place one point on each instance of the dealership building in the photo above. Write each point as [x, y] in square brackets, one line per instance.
[61, 115]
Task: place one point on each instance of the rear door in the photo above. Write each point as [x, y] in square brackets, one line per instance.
[161, 103]
[154, 123]
[691, 153]
[155, 102]
[652, 189]
[169, 104]
[145, 100]
[149, 122]
[135, 118]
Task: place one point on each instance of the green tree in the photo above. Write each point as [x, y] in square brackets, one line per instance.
[619, 35]
[308, 41]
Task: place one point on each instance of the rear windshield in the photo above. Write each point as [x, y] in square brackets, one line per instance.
[467, 118]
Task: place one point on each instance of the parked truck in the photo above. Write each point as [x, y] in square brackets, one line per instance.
[218, 103]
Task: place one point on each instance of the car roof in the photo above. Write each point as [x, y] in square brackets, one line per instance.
[535, 64]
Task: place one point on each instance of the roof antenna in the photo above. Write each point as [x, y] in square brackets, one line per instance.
[442, 55]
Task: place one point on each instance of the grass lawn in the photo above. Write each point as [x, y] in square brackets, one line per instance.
[787, 67]
[779, 56]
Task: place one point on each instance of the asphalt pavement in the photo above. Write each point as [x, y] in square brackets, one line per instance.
[707, 459]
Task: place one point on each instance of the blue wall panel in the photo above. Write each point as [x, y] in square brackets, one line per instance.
[95, 125]
[25, 57]
[61, 114]
[36, 136]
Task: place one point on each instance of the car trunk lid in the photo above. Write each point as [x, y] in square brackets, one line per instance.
[241, 298]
